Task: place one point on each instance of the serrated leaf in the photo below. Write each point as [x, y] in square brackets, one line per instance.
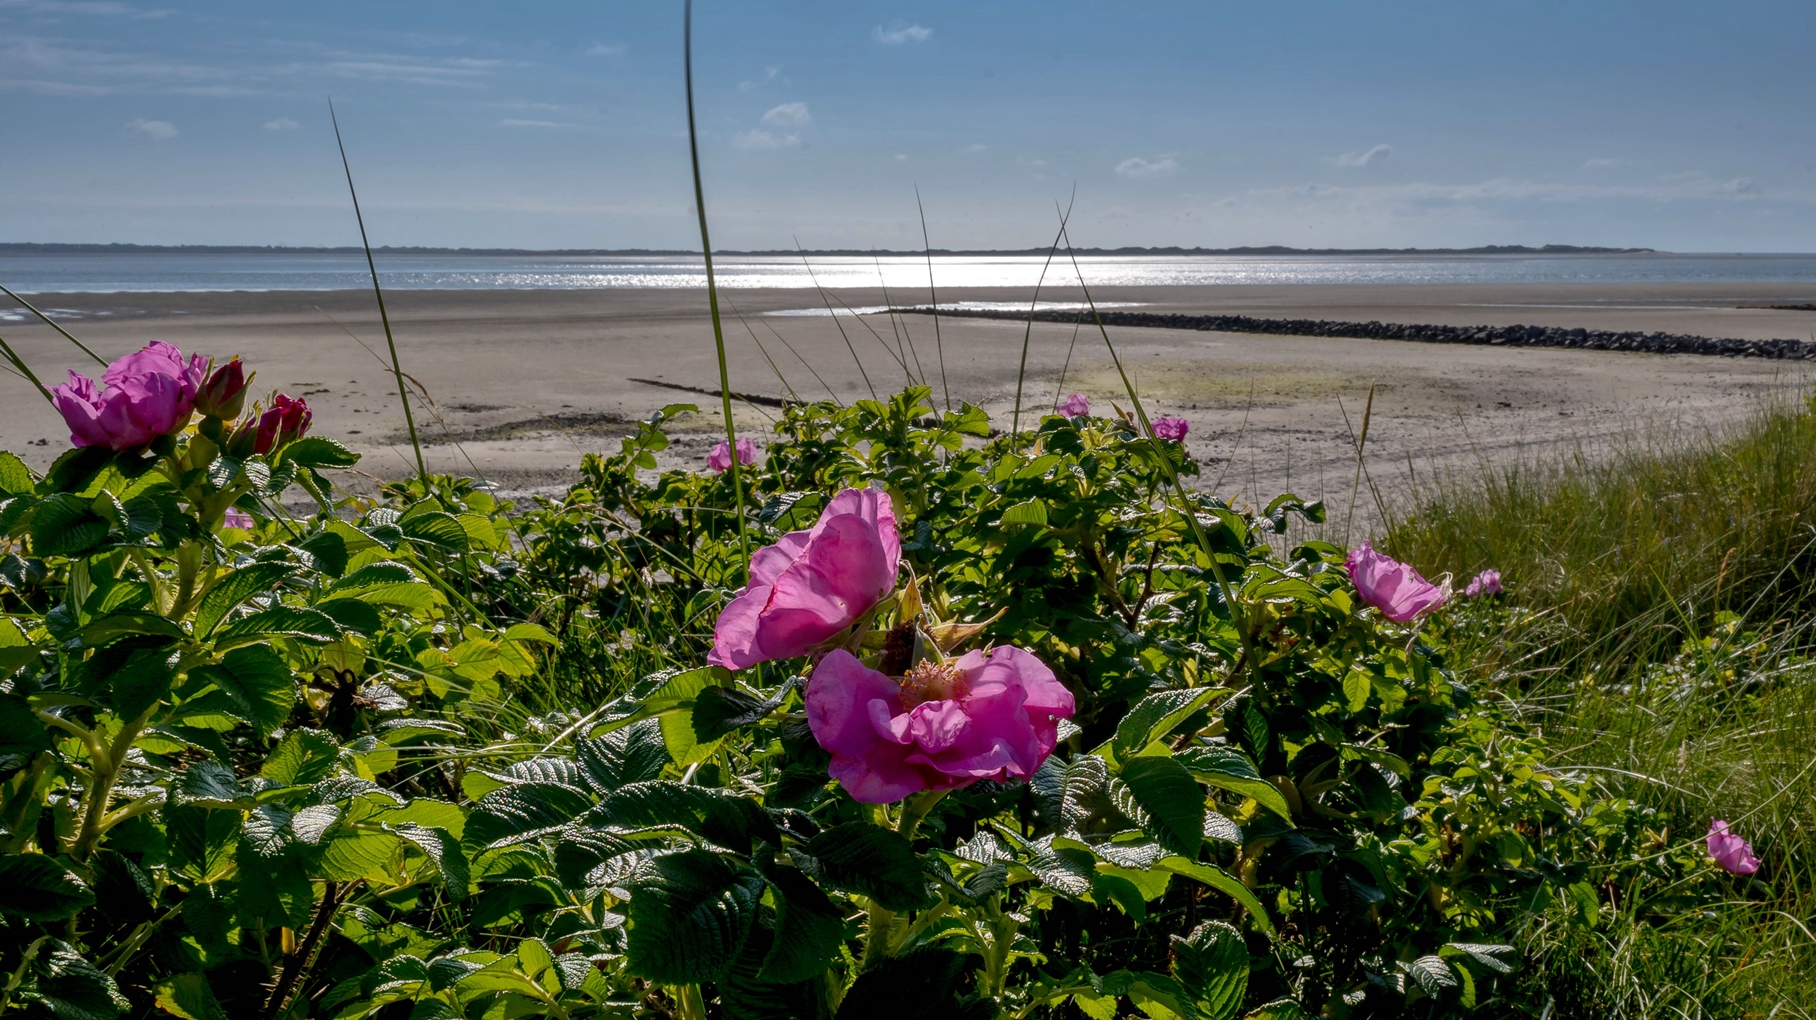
[1430, 973]
[1486, 954]
[1229, 769]
[317, 452]
[690, 914]
[435, 528]
[720, 816]
[633, 754]
[809, 929]
[209, 783]
[188, 996]
[1156, 715]
[1212, 967]
[38, 888]
[443, 850]
[719, 710]
[1173, 802]
[256, 683]
[236, 588]
[278, 621]
[1031, 511]
[71, 987]
[115, 626]
[1221, 881]
[15, 478]
[516, 813]
[865, 859]
[1068, 791]
[353, 855]
[64, 525]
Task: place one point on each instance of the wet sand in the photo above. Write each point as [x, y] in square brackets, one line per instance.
[525, 381]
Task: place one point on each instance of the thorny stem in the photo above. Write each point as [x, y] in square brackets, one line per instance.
[301, 960]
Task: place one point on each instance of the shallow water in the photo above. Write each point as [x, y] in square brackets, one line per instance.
[109, 273]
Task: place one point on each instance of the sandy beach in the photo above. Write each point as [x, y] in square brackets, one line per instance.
[525, 381]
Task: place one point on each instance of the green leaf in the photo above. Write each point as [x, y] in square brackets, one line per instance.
[209, 783]
[188, 996]
[862, 858]
[435, 528]
[15, 478]
[1229, 769]
[443, 850]
[517, 813]
[719, 710]
[142, 680]
[1212, 966]
[38, 888]
[317, 452]
[1279, 1009]
[278, 621]
[720, 816]
[1032, 511]
[690, 915]
[1487, 955]
[367, 855]
[256, 685]
[235, 588]
[809, 929]
[202, 841]
[64, 525]
[1156, 715]
[1173, 801]
[633, 754]
[1221, 881]
[1430, 973]
[20, 731]
[115, 626]
[1068, 791]
[72, 471]
[328, 548]
[382, 572]
[73, 988]
[922, 985]
[303, 758]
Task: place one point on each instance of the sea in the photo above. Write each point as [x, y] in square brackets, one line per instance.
[34, 273]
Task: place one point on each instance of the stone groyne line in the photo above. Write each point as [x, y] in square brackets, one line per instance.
[1505, 336]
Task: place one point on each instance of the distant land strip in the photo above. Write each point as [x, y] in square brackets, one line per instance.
[1507, 336]
[57, 248]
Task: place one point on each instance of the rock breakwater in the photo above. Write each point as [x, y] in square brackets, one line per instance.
[1505, 336]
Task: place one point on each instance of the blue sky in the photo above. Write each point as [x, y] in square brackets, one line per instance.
[1684, 126]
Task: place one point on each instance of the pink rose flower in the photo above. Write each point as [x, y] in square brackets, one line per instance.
[944, 725]
[146, 394]
[1394, 588]
[812, 584]
[1075, 406]
[719, 460]
[1733, 854]
[223, 393]
[286, 422]
[1488, 582]
[1173, 429]
[237, 518]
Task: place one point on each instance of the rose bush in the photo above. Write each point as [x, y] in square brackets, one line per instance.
[1015, 730]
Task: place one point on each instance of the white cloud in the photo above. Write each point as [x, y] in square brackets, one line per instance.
[899, 32]
[156, 130]
[1364, 158]
[1136, 168]
[607, 50]
[976, 147]
[788, 115]
[901, 157]
[769, 75]
[282, 124]
[764, 140]
[514, 122]
[95, 8]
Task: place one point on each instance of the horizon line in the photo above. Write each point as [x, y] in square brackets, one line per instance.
[89, 248]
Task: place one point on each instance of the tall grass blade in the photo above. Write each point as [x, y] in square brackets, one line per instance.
[933, 298]
[18, 363]
[1166, 463]
[834, 316]
[712, 285]
[899, 325]
[403, 393]
[52, 323]
[1021, 373]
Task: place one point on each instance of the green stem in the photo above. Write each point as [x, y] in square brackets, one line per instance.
[692, 1004]
[877, 942]
[101, 784]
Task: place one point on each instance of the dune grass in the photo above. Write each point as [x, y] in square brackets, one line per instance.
[1658, 631]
